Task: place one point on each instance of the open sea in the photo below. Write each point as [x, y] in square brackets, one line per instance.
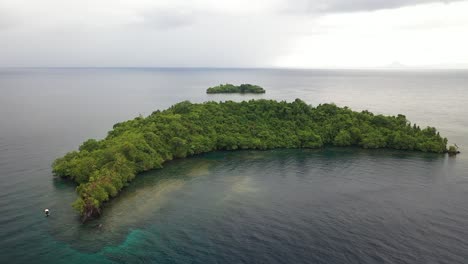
[332, 205]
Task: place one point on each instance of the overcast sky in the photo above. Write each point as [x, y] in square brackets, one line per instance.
[234, 33]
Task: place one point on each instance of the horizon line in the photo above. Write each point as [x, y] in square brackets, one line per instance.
[405, 68]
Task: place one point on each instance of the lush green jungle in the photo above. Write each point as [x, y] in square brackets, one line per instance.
[101, 168]
[230, 88]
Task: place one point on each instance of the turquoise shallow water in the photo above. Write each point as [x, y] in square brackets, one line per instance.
[284, 206]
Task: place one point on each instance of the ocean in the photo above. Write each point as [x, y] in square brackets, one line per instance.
[332, 205]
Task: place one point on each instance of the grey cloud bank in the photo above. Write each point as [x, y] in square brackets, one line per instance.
[335, 6]
[201, 33]
[169, 18]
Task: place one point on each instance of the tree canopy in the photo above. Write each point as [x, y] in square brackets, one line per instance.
[230, 88]
[103, 167]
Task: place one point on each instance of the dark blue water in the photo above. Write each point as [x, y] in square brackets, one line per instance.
[340, 205]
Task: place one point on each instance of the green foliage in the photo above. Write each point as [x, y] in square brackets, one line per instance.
[230, 88]
[102, 168]
[452, 150]
[89, 145]
[343, 139]
[79, 205]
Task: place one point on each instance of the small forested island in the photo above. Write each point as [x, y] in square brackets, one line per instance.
[230, 88]
[103, 167]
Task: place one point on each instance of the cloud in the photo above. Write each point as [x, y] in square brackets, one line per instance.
[229, 33]
[173, 33]
[6, 20]
[344, 6]
[418, 36]
[214, 41]
[169, 18]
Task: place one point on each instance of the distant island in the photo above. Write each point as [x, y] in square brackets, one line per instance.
[230, 88]
[103, 167]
